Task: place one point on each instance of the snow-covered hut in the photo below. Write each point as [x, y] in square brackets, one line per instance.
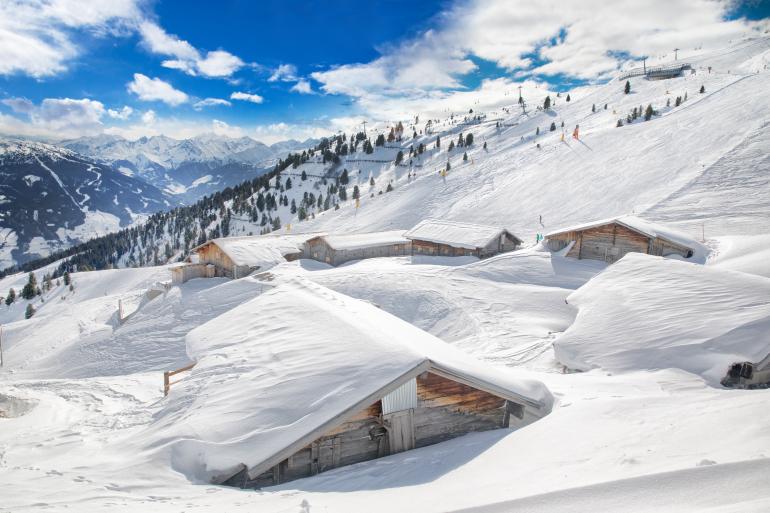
[236, 257]
[610, 239]
[338, 249]
[303, 379]
[452, 238]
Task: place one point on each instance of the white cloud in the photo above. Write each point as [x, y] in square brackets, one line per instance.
[284, 73]
[587, 40]
[155, 89]
[122, 114]
[186, 58]
[210, 102]
[222, 128]
[302, 87]
[148, 118]
[38, 38]
[54, 117]
[247, 97]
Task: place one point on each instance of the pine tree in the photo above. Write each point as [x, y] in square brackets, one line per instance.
[438, 142]
[67, 278]
[485, 145]
[553, 126]
[11, 297]
[702, 89]
[344, 177]
[568, 98]
[293, 209]
[537, 131]
[303, 175]
[389, 188]
[30, 311]
[648, 112]
[593, 108]
[451, 146]
[399, 157]
[465, 156]
[469, 140]
[620, 123]
[678, 101]
[605, 106]
[302, 214]
[356, 192]
[547, 103]
[30, 289]
[343, 194]
[371, 181]
[288, 184]
[627, 89]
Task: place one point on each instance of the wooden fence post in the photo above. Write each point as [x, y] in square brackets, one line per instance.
[166, 384]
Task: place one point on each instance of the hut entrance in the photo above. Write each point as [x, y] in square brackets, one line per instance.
[398, 414]
[400, 431]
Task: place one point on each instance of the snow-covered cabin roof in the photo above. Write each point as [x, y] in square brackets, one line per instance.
[706, 319]
[259, 251]
[638, 225]
[455, 233]
[277, 372]
[365, 240]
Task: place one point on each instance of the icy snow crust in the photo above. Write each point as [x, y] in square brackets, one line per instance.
[644, 429]
[454, 233]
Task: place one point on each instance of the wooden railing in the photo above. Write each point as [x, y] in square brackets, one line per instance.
[167, 378]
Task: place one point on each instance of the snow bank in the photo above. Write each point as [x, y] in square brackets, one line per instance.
[280, 367]
[454, 233]
[748, 254]
[652, 313]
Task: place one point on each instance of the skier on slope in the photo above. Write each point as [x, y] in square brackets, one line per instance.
[576, 133]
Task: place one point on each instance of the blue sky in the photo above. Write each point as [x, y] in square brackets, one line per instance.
[279, 69]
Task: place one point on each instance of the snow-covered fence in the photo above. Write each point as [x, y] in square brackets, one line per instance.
[662, 71]
[376, 161]
[167, 378]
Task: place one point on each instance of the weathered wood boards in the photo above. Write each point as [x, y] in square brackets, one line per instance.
[611, 241]
[445, 409]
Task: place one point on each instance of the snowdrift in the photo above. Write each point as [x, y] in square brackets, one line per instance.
[647, 313]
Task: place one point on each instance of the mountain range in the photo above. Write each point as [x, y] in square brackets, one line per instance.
[186, 169]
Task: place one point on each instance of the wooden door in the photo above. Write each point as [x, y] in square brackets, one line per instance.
[400, 430]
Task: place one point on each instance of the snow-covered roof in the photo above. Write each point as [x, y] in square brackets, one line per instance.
[638, 225]
[705, 320]
[277, 372]
[455, 233]
[259, 251]
[366, 240]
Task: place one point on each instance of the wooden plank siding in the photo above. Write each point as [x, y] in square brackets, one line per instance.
[445, 409]
[610, 242]
[499, 245]
[318, 249]
[225, 267]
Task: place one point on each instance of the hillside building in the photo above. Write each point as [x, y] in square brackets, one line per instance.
[325, 380]
[610, 239]
[338, 249]
[452, 238]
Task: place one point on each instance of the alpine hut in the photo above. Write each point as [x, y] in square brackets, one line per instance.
[236, 257]
[610, 239]
[452, 238]
[303, 379]
[338, 249]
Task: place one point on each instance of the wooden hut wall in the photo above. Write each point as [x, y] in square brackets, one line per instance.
[662, 247]
[445, 409]
[341, 256]
[609, 242]
[318, 249]
[421, 247]
[213, 254]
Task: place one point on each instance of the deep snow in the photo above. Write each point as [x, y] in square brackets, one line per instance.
[646, 428]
